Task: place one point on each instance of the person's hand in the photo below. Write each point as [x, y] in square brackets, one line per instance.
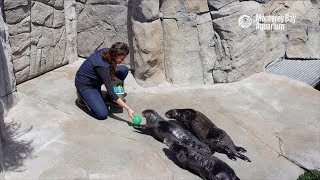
[130, 113]
[114, 78]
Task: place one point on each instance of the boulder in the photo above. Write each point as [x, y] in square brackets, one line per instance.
[184, 56]
[186, 42]
[303, 34]
[7, 79]
[238, 49]
[37, 36]
[7, 83]
[100, 24]
[182, 50]
[148, 52]
[71, 30]
[145, 10]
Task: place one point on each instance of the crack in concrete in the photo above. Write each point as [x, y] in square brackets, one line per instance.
[282, 154]
[238, 124]
[280, 146]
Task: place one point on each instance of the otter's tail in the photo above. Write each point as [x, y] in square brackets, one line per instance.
[243, 157]
[237, 178]
[241, 149]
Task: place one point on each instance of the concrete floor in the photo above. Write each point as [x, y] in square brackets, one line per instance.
[276, 119]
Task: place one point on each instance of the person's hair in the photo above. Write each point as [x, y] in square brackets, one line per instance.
[118, 48]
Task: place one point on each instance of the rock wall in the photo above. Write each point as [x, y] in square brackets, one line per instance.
[71, 30]
[247, 51]
[37, 34]
[179, 41]
[100, 24]
[203, 43]
[147, 42]
[7, 80]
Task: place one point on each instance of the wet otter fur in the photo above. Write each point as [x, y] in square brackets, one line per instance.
[160, 129]
[207, 166]
[205, 130]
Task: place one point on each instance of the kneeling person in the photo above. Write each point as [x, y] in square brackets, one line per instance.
[102, 68]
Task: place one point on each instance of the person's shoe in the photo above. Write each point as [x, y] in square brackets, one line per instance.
[81, 103]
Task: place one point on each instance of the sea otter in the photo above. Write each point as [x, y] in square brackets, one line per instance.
[205, 130]
[207, 166]
[160, 129]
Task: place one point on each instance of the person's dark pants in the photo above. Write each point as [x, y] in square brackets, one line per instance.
[93, 97]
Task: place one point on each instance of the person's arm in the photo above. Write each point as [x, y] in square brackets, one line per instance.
[124, 105]
[105, 75]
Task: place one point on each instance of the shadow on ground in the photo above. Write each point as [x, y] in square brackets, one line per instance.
[15, 151]
[173, 158]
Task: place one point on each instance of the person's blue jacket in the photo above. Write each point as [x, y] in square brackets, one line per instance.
[87, 75]
[94, 72]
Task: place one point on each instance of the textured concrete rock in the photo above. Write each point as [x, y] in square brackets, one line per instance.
[181, 28]
[244, 52]
[235, 53]
[145, 10]
[207, 49]
[65, 171]
[37, 36]
[146, 34]
[71, 30]
[7, 79]
[20, 27]
[7, 83]
[181, 48]
[241, 48]
[196, 6]
[48, 47]
[42, 14]
[148, 52]
[20, 42]
[224, 53]
[56, 4]
[15, 4]
[217, 4]
[169, 8]
[21, 63]
[181, 41]
[303, 35]
[100, 24]
[16, 15]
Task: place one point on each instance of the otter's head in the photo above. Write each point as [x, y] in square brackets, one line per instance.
[182, 115]
[152, 117]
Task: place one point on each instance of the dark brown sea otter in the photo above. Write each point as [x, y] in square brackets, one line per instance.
[207, 166]
[160, 129]
[205, 130]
